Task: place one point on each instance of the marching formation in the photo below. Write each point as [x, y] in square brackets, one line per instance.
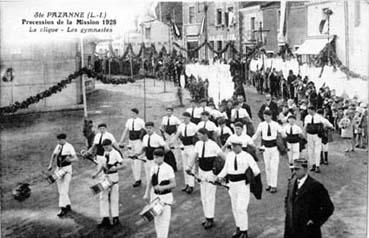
[218, 148]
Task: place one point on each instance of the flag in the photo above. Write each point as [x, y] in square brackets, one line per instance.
[321, 25]
[202, 27]
[282, 24]
[176, 31]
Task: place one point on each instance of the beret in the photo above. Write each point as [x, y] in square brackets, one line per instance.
[205, 113]
[61, 136]
[203, 131]
[292, 116]
[238, 124]
[159, 152]
[149, 123]
[135, 110]
[267, 112]
[106, 142]
[186, 114]
[101, 125]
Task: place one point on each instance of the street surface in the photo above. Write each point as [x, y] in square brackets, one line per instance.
[27, 142]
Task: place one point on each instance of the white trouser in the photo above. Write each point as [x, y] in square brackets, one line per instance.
[162, 222]
[187, 155]
[136, 147]
[314, 144]
[63, 186]
[148, 165]
[176, 152]
[207, 191]
[109, 199]
[271, 160]
[240, 197]
[325, 147]
[293, 152]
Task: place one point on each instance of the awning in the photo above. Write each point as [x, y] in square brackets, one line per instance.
[312, 46]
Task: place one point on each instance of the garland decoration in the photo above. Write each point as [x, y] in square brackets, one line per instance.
[322, 60]
[58, 87]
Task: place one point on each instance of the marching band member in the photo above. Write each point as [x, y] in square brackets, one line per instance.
[203, 106]
[314, 127]
[99, 138]
[215, 114]
[195, 112]
[160, 185]
[268, 131]
[206, 150]
[187, 133]
[207, 124]
[325, 137]
[246, 140]
[244, 105]
[134, 127]
[150, 142]
[109, 199]
[223, 131]
[64, 154]
[292, 133]
[235, 167]
[238, 113]
[169, 125]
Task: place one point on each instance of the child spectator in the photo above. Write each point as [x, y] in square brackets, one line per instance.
[347, 131]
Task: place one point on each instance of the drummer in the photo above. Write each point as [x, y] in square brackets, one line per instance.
[64, 154]
[246, 140]
[194, 111]
[223, 131]
[160, 185]
[206, 151]
[99, 138]
[236, 164]
[109, 199]
[150, 142]
[208, 125]
[169, 125]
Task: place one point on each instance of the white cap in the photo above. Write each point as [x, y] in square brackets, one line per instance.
[236, 140]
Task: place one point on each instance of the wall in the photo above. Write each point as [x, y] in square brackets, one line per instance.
[247, 14]
[359, 35]
[296, 24]
[36, 68]
[271, 23]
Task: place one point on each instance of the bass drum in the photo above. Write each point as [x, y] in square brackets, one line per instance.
[218, 165]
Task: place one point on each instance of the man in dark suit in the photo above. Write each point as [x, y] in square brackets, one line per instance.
[272, 106]
[307, 204]
[242, 101]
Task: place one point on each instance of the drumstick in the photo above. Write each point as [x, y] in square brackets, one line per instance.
[82, 153]
[136, 157]
[208, 181]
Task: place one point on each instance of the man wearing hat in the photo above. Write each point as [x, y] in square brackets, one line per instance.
[160, 185]
[169, 125]
[223, 131]
[206, 151]
[99, 138]
[313, 126]
[134, 127]
[239, 135]
[307, 204]
[269, 105]
[187, 133]
[109, 198]
[236, 164]
[207, 124]
[268, 131]
[195, 112]
[292, 134]
[150, 142]
[238, 114]
[64, 154]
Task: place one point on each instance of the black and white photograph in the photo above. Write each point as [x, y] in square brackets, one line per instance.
[177, 119]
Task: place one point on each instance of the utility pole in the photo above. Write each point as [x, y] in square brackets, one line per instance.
[206, 30]
[142, 66]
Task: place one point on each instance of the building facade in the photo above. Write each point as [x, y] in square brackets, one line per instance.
[216, 21]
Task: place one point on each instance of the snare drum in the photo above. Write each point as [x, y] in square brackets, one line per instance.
[152, 210]
[57, 175]
[102, 186]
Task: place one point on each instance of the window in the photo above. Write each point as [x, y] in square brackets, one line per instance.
[357, 13]
[252, 28]
[219, 16]
[226, 19]
[231, 16]
[191, 15]
[147, 33]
